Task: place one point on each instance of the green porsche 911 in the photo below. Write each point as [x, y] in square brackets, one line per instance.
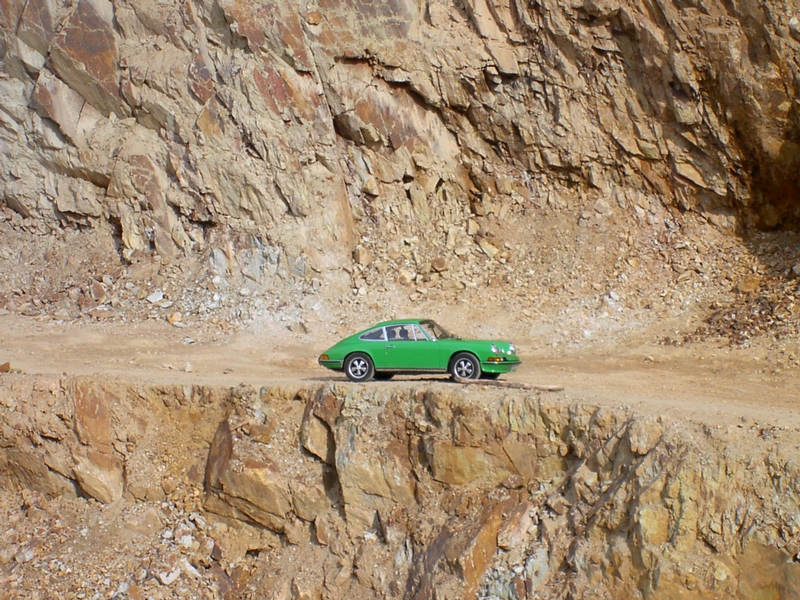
[417, 346]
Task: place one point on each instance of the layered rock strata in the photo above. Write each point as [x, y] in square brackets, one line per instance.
[403, 491]
[312, 126]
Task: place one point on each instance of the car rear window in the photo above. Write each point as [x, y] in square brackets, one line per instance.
[373, 334]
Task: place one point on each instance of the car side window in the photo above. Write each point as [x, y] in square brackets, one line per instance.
[429, 332]
[374, 335]
[418, 334]
[398, 333]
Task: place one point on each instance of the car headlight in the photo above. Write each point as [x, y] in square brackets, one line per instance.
[495, 349]
[512, 349]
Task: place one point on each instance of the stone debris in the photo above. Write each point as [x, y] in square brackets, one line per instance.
[155, 297]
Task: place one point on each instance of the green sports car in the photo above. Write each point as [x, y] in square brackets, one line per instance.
[417, 346]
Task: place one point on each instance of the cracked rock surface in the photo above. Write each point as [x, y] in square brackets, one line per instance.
[277, 161]
[339, 490]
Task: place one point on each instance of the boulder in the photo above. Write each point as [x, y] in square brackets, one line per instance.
[99, 474]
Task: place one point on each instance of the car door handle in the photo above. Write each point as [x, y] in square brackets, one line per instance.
[389, 346]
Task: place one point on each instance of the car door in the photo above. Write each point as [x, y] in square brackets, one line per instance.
[407, 348]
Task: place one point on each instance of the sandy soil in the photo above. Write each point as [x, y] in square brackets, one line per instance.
[704, 382]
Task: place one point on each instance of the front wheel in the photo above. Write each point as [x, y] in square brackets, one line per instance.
[465, 366]
[358, 367]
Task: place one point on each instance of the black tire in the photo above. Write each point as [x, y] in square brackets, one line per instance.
[383, 376]
[358, 367]
[490, 375]
[464, 366]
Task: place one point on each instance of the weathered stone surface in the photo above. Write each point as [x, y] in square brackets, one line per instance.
[309, 501]
[371, 481]
[458, 465]
[311, 128]
[644, 434]
[256, 489]
[317, 438]
[515, 525]
[93, 418]
[32, 472]
[473, 549]
[99, 475]
[631, 498]
[241, 481]
[654, 524]
[84, 55]
[55, 100]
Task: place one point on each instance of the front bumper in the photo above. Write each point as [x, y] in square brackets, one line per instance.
[504, 365]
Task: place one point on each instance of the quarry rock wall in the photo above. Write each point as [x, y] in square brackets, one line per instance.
[429, 491]
[313, 125]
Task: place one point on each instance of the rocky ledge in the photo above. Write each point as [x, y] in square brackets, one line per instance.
[397, 490]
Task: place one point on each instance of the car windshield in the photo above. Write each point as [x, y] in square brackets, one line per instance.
[435, 331]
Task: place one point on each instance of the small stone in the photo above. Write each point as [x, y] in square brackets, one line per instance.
[122, 589]
[5, 367]
[488, 248]
[156, 296]
[794, 28]
[219, 262]
[24, 557]
[174, 318]
[370, 186]
[643, 435]
[187, 568]
[169, 578]
[98, 292]
[362, 256]
[298, 327]
[187, 368]
[406, 277]
[748, 285]
[558, 504]
[796, 269]
[439, 264]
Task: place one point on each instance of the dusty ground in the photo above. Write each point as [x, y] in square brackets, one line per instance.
[708, 382]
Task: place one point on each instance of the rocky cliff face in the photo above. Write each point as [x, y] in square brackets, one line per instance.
[347, 491]
[429, 138]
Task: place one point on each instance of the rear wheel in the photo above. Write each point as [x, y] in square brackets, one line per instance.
[465, 366]
[358, 367]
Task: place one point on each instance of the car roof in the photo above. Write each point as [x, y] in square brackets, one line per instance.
[398, 322]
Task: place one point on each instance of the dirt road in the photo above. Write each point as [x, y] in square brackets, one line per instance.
[706, 383]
